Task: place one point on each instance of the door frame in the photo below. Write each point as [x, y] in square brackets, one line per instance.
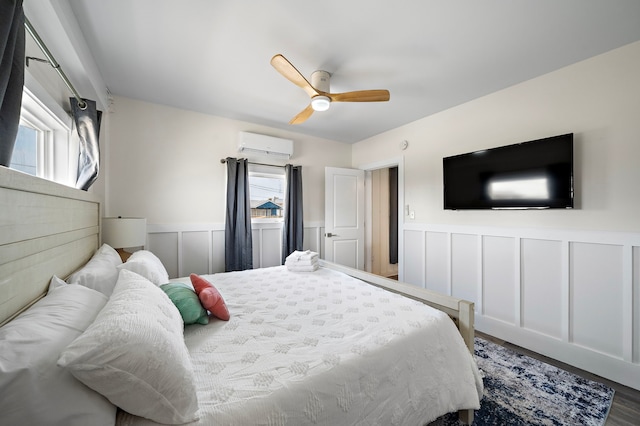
[384, 164]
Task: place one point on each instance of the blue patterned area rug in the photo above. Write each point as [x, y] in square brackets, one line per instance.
[520, 390]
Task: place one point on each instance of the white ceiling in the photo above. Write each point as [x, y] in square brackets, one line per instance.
[213, 56]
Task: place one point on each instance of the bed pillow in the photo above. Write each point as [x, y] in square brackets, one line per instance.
[210, 297]
[56, 283]
[33, 389]
[187, 302]
[147, 264]
[134, 354]
[100, 272]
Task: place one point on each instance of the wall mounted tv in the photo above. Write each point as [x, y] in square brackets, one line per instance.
[528, 175]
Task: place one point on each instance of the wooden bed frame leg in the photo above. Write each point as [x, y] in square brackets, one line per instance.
[466, 416]
[466, 327]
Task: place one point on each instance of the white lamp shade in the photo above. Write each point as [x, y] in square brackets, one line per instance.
[121, 232]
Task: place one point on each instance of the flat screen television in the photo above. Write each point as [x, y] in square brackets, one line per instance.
[529, 175]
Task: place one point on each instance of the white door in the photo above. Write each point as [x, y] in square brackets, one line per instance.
[344, 216]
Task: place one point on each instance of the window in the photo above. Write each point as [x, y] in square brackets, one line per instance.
[25, 151]
[42, 145]
[266, 191]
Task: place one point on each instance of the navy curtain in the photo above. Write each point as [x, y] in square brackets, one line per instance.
[293, 231]
[393, 215]
[11, 75]
[88, 125]
[237, 231]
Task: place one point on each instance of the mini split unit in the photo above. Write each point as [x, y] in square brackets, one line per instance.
[256, 145]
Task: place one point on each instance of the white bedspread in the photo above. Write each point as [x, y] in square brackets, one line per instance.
[322, 348]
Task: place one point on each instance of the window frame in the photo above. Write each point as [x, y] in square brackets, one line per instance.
[53, 146]
[272, 172]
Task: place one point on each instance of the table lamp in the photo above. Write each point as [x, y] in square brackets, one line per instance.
[124, 232]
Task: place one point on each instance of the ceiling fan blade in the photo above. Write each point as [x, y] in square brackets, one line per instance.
[284, 67]
[360, 96]
[302, 115]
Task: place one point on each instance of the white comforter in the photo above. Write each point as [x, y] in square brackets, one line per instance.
[324, 348]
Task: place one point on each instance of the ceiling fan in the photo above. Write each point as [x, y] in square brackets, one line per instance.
[318, 90]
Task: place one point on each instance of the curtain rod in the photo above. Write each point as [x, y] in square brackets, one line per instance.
[224, 160]
[52, 61]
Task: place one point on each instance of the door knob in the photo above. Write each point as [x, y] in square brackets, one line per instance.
[329, 235]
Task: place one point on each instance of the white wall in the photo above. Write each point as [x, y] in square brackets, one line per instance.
[164, 163]
[564, 283]
[596, 99]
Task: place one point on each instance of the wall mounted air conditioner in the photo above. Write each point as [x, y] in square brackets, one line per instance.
[254, 144]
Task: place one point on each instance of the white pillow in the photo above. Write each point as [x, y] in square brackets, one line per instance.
[100, 272]
[147, 264]
[134, 354]
[33, 389]
[56, 283]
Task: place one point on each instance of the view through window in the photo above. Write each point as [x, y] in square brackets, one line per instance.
[267, 195]
[25, 151]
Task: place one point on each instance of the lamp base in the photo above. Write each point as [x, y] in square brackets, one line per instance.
[124, 255]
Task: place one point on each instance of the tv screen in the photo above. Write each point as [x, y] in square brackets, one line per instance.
[528, 175]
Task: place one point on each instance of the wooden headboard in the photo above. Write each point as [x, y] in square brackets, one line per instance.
[46, 229]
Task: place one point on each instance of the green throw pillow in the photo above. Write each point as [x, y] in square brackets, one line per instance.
[187, 302]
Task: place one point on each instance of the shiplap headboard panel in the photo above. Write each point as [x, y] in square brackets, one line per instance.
[46, 229]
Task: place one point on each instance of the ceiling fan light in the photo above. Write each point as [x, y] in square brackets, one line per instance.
[320, 103]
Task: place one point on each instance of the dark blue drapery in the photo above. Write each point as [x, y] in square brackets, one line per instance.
[293, 231]
[11, 75]
[237, 231]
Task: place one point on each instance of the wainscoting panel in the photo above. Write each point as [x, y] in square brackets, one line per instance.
[200, 248]
[465, 266]
[498, 268]
[314, 238]
[437, 262]
[217, 252]
[571, 295]
[166, 246]
[541, 275]
[195, 256]
[596, 289]
[270, 239]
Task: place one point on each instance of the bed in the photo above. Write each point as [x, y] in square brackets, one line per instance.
[334, 346]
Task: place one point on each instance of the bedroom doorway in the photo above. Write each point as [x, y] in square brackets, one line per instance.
[381, 241]
[355, 210]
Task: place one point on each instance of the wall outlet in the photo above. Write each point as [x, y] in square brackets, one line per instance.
[412, 214]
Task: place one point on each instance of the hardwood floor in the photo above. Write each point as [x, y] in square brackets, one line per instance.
[625, 409]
